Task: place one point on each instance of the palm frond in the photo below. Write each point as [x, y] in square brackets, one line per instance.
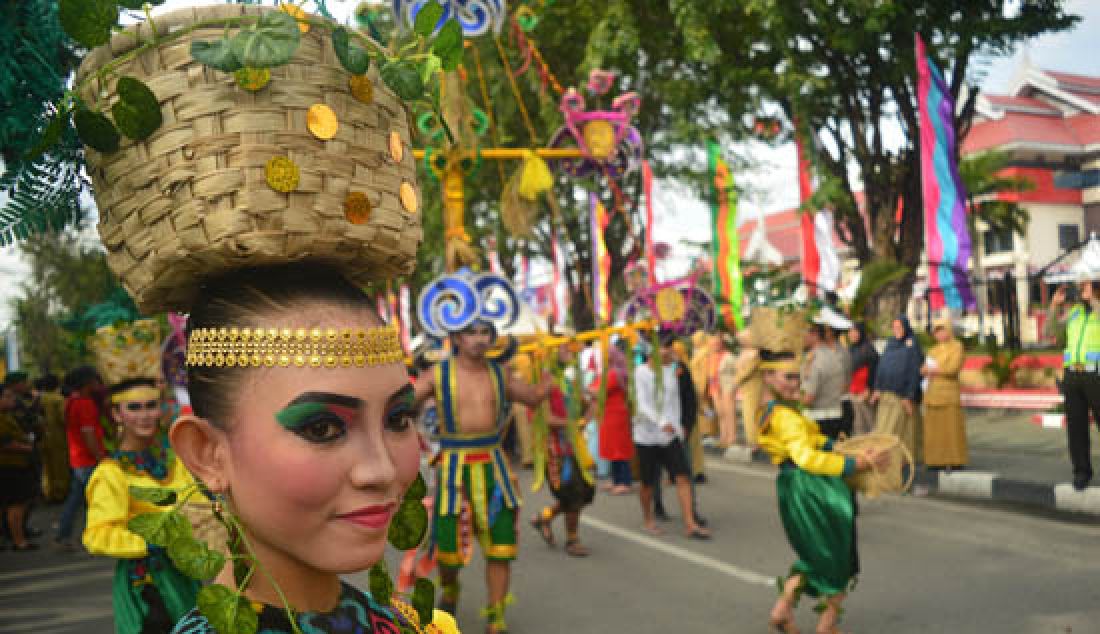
[875, 276]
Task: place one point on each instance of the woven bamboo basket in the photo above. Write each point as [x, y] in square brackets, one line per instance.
[129, 351]
[890, 479]
[192, 199]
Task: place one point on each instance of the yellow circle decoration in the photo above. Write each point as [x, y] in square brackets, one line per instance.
[252, 79]
[670, 305]
[281, 174]
[397, 147]
[298, 14]
[357, 208]
[321, 121]
[408, 197]
[361, 88]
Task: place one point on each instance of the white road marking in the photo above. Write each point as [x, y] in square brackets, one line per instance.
[741, 574]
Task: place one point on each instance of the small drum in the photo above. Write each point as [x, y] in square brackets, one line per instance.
[890, 479]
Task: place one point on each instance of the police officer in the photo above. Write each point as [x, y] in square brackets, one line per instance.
[1081, 361]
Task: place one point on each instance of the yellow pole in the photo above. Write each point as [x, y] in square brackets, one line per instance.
[510, 154]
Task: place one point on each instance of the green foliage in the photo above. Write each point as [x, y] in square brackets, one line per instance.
[271, 41]
[417, 490]
[875, 277]
[227, 611]
[355, 60]
[96, 130]
[89, 22]
[447, 45]
[381, 586]
[423, 600]
[154, 495]
[427, 18]
[160, 529]
[195, 559]
[403, 78]
[986, 185]
[409, 525]
[1000, 363]
[217, 55]
[137, 111]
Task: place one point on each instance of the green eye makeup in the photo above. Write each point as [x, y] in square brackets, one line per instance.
[294, 415]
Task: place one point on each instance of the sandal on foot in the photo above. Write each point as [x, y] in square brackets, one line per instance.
[544, 529]
[699, 533]
[574, 548]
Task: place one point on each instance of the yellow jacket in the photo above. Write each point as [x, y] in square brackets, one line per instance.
[110, 507]
[943, 389]
[788, 435]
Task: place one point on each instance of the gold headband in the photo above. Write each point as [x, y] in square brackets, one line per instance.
[136, 394]
[297, 347]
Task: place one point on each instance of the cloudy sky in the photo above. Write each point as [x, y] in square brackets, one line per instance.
[683, 216]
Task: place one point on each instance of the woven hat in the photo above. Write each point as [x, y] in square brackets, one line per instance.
[305, 167]
[127, 351]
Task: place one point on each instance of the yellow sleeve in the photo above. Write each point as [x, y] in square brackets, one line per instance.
[802, 444]
[950, 359]
[108, 511]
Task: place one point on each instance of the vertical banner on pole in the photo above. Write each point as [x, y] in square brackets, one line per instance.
[555, 301]
[811, 259]
[650, 255]
[601, 261]
[725, 242]
[947, 237]
[404, 303]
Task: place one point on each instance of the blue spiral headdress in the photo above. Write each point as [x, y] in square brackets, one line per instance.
[453, 302]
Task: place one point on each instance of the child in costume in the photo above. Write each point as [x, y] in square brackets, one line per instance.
[261, 211]
[473, 394]
[568, 463]
[815, 503]
[150, 594]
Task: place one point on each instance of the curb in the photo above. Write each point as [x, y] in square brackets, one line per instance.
[974, 485]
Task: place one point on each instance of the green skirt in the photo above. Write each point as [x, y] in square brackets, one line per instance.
[818, 514]
[150, 595]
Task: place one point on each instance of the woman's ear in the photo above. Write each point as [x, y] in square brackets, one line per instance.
[203, 449]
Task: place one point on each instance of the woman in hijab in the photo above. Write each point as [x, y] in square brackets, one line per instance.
[616, 445]
[864, 362]
[945, 427]
[897, 388]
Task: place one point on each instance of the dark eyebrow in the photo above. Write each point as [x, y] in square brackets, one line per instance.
[340, 400]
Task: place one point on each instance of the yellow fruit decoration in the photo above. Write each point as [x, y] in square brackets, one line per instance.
[252, 79]
[670, 305]
[361, 88]
[281, 174]
[408, 197]
[298, 14]
[357, 208]
[397, 147]
[321, 121]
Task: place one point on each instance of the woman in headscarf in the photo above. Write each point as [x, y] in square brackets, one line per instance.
[864, 362]
[897, 388]
[944, 424]
[616, 445]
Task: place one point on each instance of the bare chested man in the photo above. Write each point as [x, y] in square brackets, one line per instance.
[473, 395]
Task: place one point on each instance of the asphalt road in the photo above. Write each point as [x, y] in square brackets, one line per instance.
[928, 566]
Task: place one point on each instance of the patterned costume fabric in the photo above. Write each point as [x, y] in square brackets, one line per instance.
[472, 468]
[355, 613]
[567, 460]
[149, 592]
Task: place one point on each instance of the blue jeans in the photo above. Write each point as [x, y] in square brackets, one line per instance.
[620, 473]
[75, 502]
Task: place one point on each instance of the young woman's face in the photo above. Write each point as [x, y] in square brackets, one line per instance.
[139, 419]
[785, 383]
[854, 336]
[899, 329]
[942, 334]
[319, 459]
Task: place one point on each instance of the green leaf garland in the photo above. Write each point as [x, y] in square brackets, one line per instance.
[409, 525]
[137, 112]
[402, 78]
[96, 131]
[154, 495]
[227, 611]
[354, 59]
[418, 490]
[427, 18]
[195, 559]
[381, 586]
[448, 45]
[423, 600]
[272, 41]
[89, 22]
[217, 54]
[160, 529]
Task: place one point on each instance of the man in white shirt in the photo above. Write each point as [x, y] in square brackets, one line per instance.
[658, 436]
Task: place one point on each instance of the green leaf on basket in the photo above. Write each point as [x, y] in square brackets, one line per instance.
[423, 600]
[381, 586]
[137, 111]
[403, 79]
[272, 41]
[160, 529]
[429, 67]
[89, 22]
[50, 136]
[228, 612]
[194, 559]
[427, 18]
[95, 130]
[448, 45]
[153, 495]
[355, 60]
[137, 5]
[409, 525]
[217, 55]
[418, 490]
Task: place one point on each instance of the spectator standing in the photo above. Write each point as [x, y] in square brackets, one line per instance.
[826, 375]
[897, 388]
[86, 447]
[616, 445]
[863, 359]
[55, 447]
[17, 471]
[749, 385]
[944, 422]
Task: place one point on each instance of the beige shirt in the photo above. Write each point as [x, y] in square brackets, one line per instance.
[826, 375]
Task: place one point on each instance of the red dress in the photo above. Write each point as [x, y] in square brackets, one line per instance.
[615, 439]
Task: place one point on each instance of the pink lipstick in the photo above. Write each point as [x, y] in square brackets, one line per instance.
[376, 516]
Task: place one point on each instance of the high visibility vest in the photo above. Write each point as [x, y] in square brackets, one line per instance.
[1082, 337]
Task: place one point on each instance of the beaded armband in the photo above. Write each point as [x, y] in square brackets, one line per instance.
[295, 347]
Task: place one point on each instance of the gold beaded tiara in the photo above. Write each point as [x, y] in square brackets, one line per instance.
[294, 347]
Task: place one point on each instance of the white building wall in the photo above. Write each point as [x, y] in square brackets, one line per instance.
[1042, 232]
